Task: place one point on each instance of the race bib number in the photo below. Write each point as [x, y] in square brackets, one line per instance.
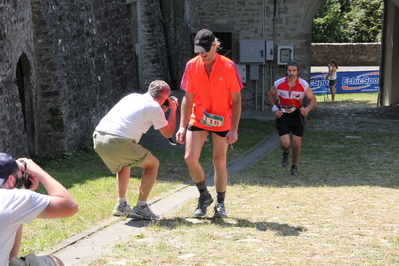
[287, 109]
[211, 120]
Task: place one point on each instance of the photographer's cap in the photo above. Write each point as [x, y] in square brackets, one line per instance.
[7, 166]
[203, 41]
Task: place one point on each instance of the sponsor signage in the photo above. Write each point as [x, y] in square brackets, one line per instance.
[347, 82]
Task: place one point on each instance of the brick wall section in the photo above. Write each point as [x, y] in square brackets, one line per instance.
[347, 54]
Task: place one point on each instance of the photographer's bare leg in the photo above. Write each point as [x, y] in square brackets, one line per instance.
[148, 179]
[122, 208]
[122, 179]
[149, 176]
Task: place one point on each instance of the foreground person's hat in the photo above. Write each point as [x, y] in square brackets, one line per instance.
[203, 41]
[7, 166]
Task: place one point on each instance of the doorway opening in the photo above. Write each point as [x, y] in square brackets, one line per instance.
[23, 76]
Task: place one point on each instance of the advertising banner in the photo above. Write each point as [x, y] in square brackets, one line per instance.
[347, 82]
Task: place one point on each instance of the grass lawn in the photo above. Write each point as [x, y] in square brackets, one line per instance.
[360, 99]
[341, 209]
[93, 186]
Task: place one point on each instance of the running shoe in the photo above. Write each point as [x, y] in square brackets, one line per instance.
[121, 209]
[284, 162]
[294, 170]
[220, 211]
[143, 213]
[203, 203]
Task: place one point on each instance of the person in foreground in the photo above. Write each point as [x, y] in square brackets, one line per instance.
[19, 203]
[332, 76]
[116, 140]
[211, 103]
[290, 112]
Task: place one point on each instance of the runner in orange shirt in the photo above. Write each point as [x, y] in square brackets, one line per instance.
[211, 103]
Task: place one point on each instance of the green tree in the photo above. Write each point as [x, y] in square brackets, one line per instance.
[351, 21]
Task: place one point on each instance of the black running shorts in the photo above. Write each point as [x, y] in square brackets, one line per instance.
[291, 122]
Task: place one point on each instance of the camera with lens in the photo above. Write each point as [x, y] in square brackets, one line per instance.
[25, 180]
[171, 98]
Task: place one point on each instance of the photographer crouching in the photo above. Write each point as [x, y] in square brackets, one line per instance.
[117, 137]
[19, 204]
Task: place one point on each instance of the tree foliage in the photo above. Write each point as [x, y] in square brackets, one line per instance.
[348, 21]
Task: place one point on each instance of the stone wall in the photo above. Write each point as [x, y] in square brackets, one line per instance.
[16, 41]
[80, 61]
[347, 54]
[78, 58]
[85, 64]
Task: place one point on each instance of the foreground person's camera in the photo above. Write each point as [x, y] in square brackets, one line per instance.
[172, 98]
[25, 180]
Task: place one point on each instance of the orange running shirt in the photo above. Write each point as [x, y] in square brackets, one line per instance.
[211, 93]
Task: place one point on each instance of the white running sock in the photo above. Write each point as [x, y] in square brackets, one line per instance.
[122, 200]
[141, 203]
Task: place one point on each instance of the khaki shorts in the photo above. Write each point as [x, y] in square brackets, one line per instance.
[116, 151]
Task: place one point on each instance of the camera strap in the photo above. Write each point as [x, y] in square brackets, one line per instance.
[171, 142]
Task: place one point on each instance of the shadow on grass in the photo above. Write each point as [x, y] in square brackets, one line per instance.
[280, 229]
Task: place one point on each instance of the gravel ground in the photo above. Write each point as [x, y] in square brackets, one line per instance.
[354, 117]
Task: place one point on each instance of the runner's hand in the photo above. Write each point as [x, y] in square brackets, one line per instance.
[180, 135]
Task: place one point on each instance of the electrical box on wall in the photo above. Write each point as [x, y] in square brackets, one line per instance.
[243, 72]
[252, 51]
[254, 72]
[285, 53]
[270, 50]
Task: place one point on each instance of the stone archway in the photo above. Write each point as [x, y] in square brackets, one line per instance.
[23, 77]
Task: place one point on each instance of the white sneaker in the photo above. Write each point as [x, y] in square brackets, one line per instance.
[121, 210]
[143, 213]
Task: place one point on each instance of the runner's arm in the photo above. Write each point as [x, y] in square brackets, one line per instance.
[185, 113]
[232, 135]
[309, 94]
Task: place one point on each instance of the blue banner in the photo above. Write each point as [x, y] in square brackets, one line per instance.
[347, 82]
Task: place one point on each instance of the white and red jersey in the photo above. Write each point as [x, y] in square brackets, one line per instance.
[297, 93]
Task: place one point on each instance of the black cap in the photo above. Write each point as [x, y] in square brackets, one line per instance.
[203, 41]
[7, 166]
